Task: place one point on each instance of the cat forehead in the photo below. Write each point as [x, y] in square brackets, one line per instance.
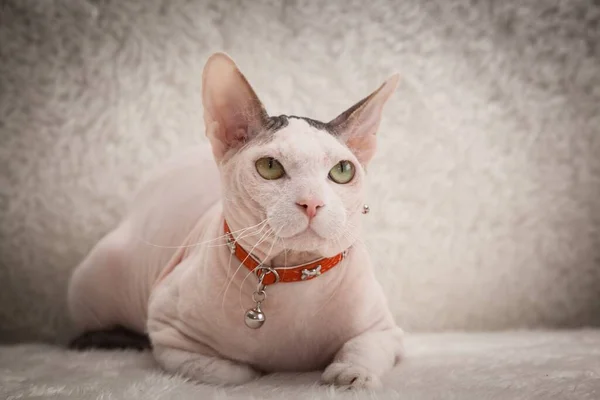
[306, 138]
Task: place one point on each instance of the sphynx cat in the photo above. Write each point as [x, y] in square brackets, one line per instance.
[291, 191]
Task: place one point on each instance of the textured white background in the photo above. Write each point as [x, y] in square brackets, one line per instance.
[485, 193]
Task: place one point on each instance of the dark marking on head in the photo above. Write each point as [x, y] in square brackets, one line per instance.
[312, 122]
[276, 123]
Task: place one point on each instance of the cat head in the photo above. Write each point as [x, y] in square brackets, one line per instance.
[305, 178]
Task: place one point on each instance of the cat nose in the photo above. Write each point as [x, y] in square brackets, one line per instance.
[310, 206]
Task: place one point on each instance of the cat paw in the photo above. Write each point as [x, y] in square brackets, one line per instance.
[204, 369]
[350, 376]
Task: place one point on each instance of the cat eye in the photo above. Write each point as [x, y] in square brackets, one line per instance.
[269, 168]
[342, 172]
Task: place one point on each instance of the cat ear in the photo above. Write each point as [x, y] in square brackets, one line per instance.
[357, 126]
[233, 114]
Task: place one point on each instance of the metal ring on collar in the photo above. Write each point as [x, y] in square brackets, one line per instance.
[262, 270]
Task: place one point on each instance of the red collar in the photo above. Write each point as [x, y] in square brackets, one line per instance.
[272, 275]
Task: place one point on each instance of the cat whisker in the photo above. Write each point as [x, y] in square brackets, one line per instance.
[252, 272]
[244, 232]
[198, 243]
[264, 237]
[258, 242]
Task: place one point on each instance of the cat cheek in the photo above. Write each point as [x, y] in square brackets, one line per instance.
[285, 223]
[331, 222]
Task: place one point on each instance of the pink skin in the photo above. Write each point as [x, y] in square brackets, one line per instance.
[310, 206]
[190, 294]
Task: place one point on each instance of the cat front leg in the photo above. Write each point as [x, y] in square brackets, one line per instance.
[201, 368]
[178, 353]
[362, 361]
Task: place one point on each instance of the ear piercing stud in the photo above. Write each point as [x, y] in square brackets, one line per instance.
[366, 209]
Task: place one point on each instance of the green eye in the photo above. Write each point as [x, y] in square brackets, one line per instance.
[342, 172]
[269, 168]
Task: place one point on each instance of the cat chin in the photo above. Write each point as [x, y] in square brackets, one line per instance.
[311, 241]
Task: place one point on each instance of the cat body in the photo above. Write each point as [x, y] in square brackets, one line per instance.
[167, 271]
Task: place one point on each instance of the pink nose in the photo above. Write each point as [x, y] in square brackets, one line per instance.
[310, 206]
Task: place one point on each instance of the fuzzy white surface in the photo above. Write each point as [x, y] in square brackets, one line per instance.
[484, 194]
[512, 365]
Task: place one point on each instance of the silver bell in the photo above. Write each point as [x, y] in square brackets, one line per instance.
[254, 318]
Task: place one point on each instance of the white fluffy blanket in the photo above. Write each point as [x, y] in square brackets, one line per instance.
[513, 365]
